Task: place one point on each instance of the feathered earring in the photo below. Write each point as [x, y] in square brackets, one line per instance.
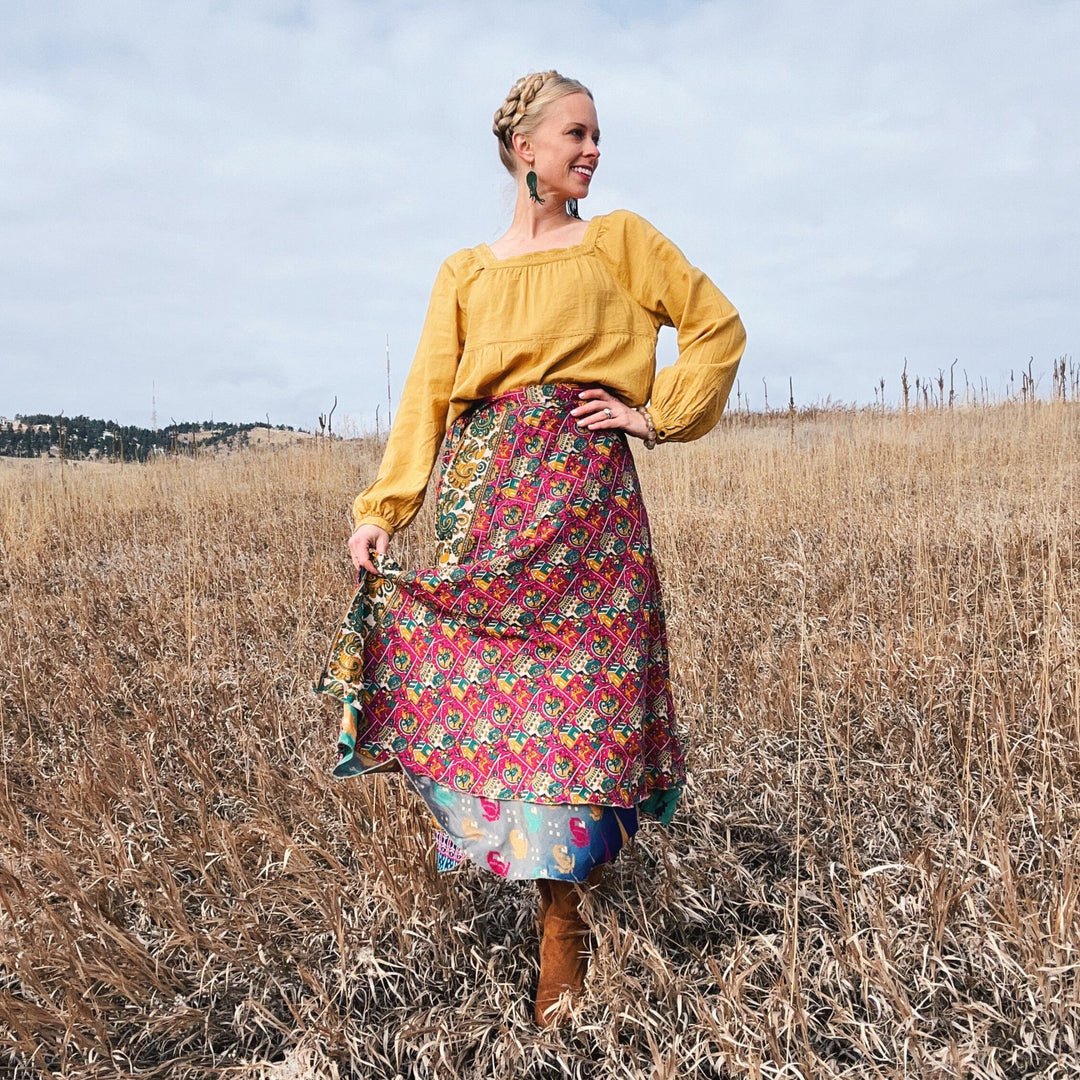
[530, 180]
[571, 208]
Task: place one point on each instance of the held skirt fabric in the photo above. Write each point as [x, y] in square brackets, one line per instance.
[522, 683]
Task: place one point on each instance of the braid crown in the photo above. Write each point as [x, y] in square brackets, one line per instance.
[524, 106]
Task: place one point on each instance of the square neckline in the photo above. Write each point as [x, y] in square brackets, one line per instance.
[544, 254]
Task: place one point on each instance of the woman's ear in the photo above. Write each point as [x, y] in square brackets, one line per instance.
[520, 142]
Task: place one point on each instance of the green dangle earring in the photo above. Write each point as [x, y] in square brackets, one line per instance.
[571, 208]
[530, 180]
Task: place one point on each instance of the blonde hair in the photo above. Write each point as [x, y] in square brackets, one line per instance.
[524, 108]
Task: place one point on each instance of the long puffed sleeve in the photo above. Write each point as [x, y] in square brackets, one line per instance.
[688, 397]
[417, 432]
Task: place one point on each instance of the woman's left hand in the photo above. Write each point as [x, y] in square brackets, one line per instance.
[602, 411]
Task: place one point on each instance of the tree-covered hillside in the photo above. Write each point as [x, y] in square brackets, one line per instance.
[79, 438]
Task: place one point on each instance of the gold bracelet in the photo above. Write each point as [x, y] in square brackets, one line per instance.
[650, 427]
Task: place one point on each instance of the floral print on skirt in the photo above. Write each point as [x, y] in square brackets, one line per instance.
[516, 839]
[522, 683]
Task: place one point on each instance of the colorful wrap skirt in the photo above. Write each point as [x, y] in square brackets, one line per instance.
[522, 683]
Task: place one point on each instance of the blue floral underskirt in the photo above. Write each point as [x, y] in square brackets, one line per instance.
[517, 839]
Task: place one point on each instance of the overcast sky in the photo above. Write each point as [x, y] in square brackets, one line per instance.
[230, 205]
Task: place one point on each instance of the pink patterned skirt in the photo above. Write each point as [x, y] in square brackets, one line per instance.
[522, 683]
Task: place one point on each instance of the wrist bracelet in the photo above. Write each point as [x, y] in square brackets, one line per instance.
[650, 428]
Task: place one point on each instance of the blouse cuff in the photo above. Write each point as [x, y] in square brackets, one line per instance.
[374, 519]
[663, 428]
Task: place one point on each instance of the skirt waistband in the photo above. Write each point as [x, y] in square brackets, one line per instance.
[554, 393]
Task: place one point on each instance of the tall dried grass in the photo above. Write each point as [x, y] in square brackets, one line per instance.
[875, 629]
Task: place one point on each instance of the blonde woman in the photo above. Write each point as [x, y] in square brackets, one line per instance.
[521, 684]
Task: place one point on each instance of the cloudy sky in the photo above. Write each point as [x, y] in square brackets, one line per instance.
[229, 205]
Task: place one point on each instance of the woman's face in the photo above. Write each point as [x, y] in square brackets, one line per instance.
[565, 146]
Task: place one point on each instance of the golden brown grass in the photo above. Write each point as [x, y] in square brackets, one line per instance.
[875, 631]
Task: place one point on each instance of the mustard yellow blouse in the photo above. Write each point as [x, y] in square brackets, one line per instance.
[584, 314]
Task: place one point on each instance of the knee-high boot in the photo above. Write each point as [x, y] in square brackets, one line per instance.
[543, 887]
[564, 953]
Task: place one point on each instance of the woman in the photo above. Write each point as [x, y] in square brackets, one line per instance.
[521, 685]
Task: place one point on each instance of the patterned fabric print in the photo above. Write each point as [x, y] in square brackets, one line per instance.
[531, 663]
[524, 840]
[448, 856]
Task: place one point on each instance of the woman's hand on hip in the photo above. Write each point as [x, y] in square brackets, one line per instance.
[366, 541]
[600, 410]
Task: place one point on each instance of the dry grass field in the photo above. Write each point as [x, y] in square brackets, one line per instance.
[875, 632]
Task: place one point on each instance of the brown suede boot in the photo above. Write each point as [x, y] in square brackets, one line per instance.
[543, 887]
[564, 956]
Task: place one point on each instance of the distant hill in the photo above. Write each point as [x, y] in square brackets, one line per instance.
[79, 438]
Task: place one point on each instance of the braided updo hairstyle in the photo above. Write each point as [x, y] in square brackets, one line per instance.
[524, 108]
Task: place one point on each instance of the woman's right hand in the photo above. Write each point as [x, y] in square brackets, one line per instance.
[368, 539]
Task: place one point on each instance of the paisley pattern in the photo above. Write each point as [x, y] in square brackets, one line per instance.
[515, 839]
[531, 663]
